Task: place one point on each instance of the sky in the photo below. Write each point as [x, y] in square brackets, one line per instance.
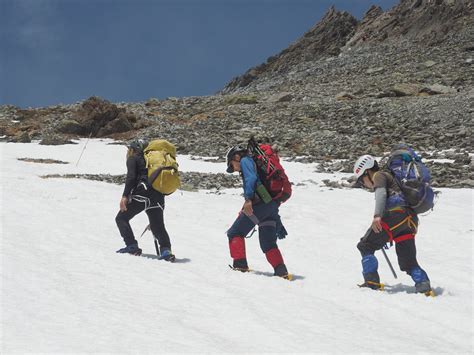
[64, 51]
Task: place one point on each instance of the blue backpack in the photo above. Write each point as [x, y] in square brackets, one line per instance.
[413, 178]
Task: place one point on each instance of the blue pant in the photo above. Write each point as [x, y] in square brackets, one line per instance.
[265, 216]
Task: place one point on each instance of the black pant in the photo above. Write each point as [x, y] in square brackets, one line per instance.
[406, 249]
[153, 202]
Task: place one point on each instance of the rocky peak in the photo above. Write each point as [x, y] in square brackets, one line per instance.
[371, 14]
[325, 38]
[424, 21]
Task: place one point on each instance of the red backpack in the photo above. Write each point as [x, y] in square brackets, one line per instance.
[270, 171]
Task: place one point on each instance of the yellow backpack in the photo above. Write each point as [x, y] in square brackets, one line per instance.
[160, 158]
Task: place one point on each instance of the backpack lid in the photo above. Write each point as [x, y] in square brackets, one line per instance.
[161, 145]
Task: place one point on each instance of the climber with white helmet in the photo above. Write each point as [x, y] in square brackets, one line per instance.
[393, 222]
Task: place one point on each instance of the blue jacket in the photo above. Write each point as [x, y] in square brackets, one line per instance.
[249, 175]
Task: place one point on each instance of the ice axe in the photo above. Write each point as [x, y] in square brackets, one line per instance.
[389, 263]
[147, 228]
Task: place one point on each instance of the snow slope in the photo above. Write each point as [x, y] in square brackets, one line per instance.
[64, 289]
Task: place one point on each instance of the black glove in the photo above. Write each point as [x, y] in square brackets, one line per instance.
[281, 232]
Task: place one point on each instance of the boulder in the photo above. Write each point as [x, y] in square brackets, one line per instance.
[429, 63]
[53, 139]
[95, 113]
[71, 127]
[374, 70]
[120, 124]
[22, 137]
[99, 118]
[406, 89]
[437, 89]
[344, 96]
[281, 97]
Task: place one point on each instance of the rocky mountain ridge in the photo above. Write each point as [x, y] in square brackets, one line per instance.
[345, 88]
[425, 22]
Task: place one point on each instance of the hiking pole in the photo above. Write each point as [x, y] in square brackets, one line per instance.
[254, 146]
[85, 145]
[389, 263]
[259, 151]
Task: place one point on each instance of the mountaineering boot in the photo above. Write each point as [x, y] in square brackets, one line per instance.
[423, 287]
[422, 282]
[240, 265]
[276, 261]
[369, 271]
[281, 271]
[372, 280]
[167, 255]
[132, 249]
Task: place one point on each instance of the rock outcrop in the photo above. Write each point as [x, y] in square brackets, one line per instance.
[98, 118]
[325, 38]
[425, 21]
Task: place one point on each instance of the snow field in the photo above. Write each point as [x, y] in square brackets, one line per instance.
[64, 289]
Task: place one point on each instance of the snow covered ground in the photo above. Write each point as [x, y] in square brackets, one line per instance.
[65, 290]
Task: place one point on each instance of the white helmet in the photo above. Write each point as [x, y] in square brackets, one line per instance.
[362, 164]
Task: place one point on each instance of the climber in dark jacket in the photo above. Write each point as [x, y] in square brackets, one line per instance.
[138, 196]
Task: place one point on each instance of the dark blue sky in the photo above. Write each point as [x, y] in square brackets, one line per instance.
[63, 51]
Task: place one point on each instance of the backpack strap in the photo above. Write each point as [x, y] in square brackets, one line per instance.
[375, 174]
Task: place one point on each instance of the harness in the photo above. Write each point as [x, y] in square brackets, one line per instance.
[408, 220]
[145, 200]
[258, 223]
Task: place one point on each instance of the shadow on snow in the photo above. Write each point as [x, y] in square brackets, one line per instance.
[177, 261]
[399, 288]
